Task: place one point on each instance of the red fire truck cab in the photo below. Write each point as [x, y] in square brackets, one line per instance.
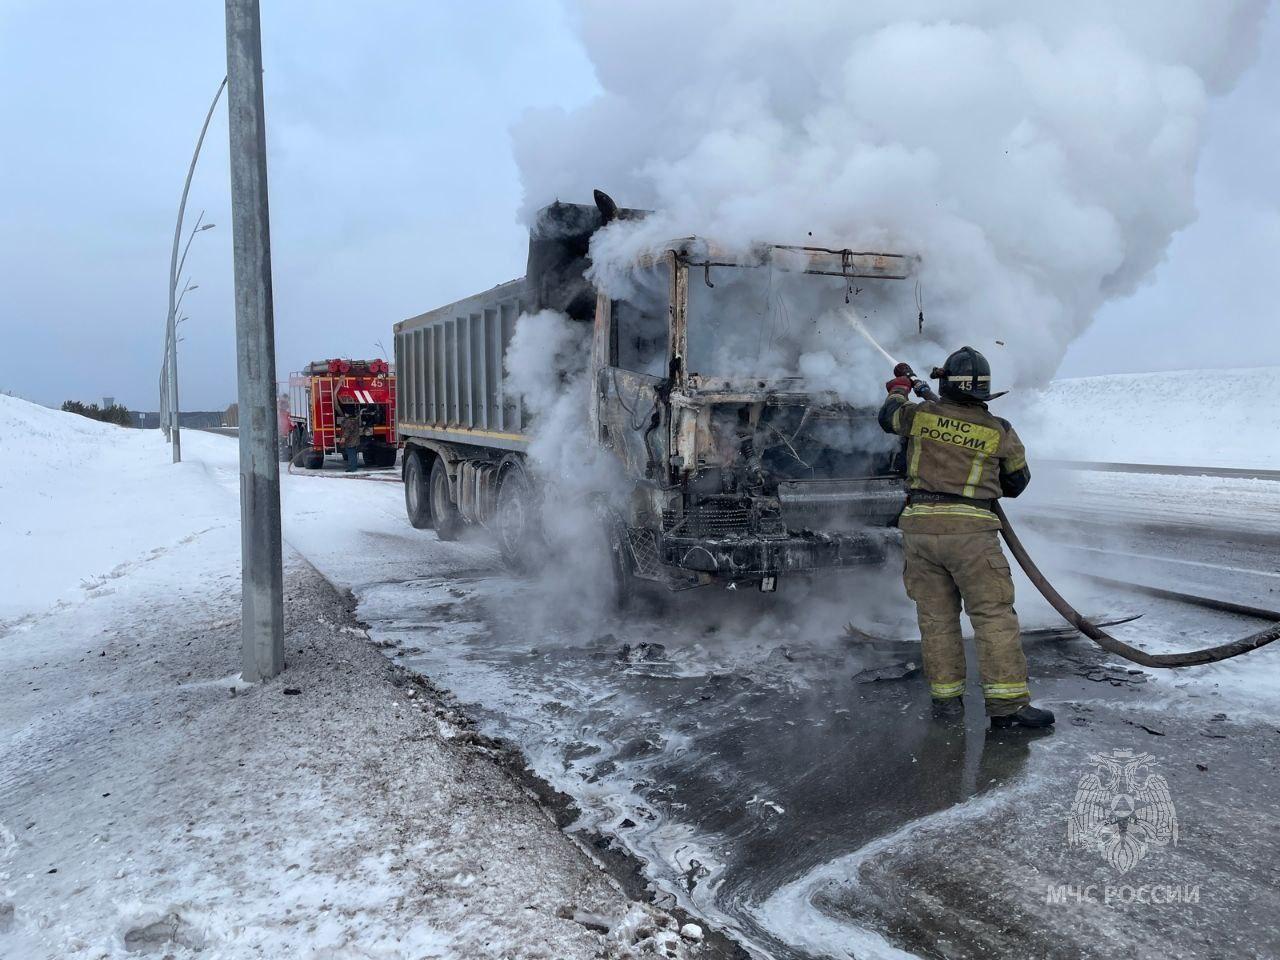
[325, 392]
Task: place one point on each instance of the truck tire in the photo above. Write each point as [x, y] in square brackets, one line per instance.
[417, 490]
[515, 521]
[297, 443]
[448, 522]
[380, 455]
[313, 459]
[622, 583]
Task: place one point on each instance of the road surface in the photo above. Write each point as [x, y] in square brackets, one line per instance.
[732, 743]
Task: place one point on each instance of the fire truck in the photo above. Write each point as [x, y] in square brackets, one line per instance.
[324, 393]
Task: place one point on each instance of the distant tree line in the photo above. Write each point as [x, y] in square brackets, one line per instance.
[116, 413]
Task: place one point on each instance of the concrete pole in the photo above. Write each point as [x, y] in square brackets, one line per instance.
[262, 579]
[175, 432]
[164, 388]
[175, 435]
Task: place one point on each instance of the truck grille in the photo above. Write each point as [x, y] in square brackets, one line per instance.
[711, 518]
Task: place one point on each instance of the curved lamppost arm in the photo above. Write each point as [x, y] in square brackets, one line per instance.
[200, 225]
[173, 280]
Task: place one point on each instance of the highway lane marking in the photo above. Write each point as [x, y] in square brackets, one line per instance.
[1191, 563]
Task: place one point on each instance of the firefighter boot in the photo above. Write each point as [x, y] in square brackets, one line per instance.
[948, 709]
[1025, 716]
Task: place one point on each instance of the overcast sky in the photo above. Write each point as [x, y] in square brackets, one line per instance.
[393, 190]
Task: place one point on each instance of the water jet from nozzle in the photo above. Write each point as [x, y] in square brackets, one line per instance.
[918, 386]
[858, 325]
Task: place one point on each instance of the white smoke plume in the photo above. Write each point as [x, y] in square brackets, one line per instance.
[546, 364]
[1037, 157]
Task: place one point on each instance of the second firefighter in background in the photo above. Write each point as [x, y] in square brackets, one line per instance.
[960, 459]
[351, 430]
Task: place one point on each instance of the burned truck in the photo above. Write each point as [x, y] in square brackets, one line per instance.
[739, 469]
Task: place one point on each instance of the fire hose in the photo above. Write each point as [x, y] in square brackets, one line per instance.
[1109, 643]
[1191, 658]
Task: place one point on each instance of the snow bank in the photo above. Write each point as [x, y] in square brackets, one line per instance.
[1201, 418]
[84, 502]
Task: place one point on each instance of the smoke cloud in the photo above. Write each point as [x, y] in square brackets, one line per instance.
[1037, 157]
[547, 365]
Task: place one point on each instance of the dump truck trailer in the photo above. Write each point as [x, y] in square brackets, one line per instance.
[737, 471]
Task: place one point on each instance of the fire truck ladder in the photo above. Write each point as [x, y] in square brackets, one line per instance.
[328, 415]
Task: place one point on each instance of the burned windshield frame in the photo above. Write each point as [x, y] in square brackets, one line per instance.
[640, 323]
[758, 321]
[833, 278]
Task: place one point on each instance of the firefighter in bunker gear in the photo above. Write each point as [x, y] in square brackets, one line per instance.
[960, 458]
[351, 440]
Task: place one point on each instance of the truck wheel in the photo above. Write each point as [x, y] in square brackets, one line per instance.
[380, 456]
[622, 584]
[313, 459]
[448, 522]
[417, 496]
[516, 520]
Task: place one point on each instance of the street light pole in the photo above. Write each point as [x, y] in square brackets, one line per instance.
[169, 388]
[262, 578]
[175, 436]
[164, 388]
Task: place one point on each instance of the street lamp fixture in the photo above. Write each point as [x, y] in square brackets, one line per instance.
[190, 286]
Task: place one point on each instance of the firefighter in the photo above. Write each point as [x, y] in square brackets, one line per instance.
[960, 459]
[351, 440]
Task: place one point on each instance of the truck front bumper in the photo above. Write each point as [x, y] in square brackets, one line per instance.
[748, 557]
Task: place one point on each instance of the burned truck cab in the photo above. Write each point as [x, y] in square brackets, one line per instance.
[718, 384]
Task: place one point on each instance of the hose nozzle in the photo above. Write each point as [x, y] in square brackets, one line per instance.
[918, 386]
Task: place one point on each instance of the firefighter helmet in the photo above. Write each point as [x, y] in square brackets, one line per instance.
[965, 376]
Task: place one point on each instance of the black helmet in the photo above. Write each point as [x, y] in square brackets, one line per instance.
[965, 376]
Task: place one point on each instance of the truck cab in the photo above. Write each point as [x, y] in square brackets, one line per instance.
[742, 471]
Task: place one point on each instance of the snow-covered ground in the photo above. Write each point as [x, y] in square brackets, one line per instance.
[1202, 418]
[152, 804]
[85, 506]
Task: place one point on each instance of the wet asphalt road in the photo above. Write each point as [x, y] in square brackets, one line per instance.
[745, 769]
[767, 785]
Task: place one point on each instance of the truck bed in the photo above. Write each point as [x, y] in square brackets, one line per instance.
[450, 371]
